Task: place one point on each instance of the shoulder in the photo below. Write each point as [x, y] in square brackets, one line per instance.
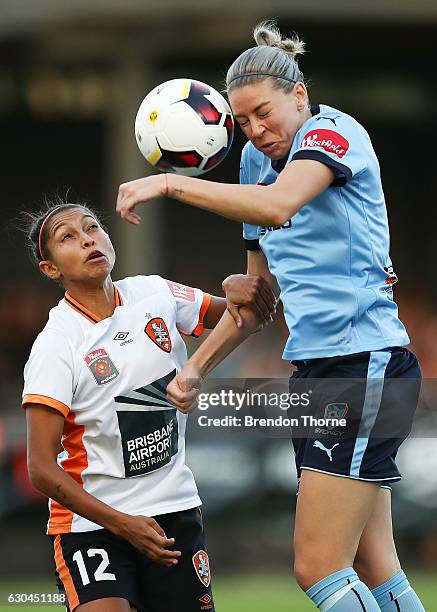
[60, 334]
[137, 287]
[53, 340]
[61, 324]
[335, 139]
[330, 119]
[141, 281]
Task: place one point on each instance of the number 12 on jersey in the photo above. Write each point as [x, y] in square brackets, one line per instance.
[100, 573]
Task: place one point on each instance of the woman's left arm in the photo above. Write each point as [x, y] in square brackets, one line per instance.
[226, 336]
[272, 205]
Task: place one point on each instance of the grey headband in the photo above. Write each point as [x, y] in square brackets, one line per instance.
[274, 76]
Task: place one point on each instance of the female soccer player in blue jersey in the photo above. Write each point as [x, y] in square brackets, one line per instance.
[315, 223]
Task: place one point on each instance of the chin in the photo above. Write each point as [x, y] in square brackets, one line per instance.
[100, 272]
[278, 155]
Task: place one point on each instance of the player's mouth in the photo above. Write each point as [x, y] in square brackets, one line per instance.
[268, 147]
[96, 257]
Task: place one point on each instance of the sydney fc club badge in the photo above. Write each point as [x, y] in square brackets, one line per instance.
[101, 366]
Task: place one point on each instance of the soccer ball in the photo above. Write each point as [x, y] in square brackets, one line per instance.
[184, 126]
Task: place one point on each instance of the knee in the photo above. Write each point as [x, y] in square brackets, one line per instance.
[309, 568]
[363, 569]
[303, 573]
[373, 570]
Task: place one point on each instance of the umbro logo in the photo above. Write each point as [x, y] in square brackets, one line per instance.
[121, 337]
[205, 602]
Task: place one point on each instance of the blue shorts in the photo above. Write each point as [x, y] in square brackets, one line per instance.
[377, 393]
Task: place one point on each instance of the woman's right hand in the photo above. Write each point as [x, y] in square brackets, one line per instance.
[183, 390]
[137, 192]
[147, 535]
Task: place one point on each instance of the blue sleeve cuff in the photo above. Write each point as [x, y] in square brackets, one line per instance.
[252, 245]
[343, 173]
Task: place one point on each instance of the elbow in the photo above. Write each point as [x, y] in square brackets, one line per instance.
[36, 474]
[279, 214]
[279, 218]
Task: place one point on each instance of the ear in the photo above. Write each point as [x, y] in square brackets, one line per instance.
[301, 95]
[49, 269]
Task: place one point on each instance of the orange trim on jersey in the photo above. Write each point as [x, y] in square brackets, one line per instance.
[117, 297]
[46, 401]
[64, 575]
[78, 307]
[203, 310]
[77, 461]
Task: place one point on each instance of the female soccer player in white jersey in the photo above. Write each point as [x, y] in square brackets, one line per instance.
[315, 222]
[124, 517]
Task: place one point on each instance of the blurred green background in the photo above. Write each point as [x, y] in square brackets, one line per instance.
[251, 594]
[72, 75]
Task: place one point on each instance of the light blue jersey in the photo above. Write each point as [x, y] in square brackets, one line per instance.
[331, 259]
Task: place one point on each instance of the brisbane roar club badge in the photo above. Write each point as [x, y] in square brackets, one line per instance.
[201, 565]
[101, 366]
[157, 331]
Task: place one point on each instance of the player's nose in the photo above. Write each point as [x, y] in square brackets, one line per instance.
[257, 129]
[87, 241]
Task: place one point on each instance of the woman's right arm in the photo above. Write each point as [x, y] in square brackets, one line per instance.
[257, 264]
[45, 427]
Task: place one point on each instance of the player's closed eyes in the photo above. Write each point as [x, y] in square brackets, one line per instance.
[260, 115]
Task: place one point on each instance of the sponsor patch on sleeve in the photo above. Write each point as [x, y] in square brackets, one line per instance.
[331, 141]
[181, 291]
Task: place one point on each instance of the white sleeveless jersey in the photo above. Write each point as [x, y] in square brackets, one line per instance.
[123, 440]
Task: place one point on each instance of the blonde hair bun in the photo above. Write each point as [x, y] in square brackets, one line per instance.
[266, 33]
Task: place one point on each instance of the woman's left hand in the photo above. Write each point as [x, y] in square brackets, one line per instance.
[136, 192]
[183, 390]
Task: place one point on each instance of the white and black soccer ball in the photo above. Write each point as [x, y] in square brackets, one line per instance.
[184, 126]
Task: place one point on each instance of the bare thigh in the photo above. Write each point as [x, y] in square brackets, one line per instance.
[331, 515]
[109, 604]
[376, 560]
